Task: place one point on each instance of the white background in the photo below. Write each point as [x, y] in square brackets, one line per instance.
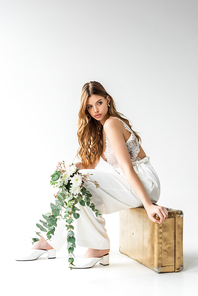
[145, 55]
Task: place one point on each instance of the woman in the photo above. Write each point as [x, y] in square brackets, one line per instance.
[104, 132]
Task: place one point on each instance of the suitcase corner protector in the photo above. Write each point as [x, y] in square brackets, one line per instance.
[181, 267]
[157, 269]
[181, 214]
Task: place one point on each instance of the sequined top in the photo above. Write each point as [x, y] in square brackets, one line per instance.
[132, 144]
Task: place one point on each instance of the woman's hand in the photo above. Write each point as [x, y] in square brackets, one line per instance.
[81, 166]
[161, 212]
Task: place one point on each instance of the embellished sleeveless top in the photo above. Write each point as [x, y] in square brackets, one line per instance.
[132, 144]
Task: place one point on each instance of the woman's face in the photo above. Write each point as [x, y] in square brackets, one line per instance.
[97, 106]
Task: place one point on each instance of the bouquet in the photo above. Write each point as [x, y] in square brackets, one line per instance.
[71, 193]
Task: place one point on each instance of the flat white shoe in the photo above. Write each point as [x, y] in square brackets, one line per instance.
[90, 262]
[36, 253]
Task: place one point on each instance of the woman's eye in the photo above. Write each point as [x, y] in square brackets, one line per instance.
[100, 103]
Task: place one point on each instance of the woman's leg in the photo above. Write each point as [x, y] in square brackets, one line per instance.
[42, 244]
[92, 253]
[115, 194]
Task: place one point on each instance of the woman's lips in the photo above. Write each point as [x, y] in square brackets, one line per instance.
[98, 115]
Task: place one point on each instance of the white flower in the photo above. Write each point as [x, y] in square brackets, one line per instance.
[71, 169]
[65, 177]
[60, 182]
[76, 180]
[75, 190]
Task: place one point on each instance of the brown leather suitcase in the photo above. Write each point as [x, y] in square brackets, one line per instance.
[157, 246]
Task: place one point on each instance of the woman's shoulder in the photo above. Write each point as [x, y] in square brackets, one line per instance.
[115, 122]
[111, 122]
[113, 119]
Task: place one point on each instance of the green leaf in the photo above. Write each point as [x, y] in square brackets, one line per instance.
[70, 233]
[89, 194]
[67, 210]
[52, 230]
[44, 223]
[58, 204]
[56, 175]
[34, 240]
[41, 227]
[52, 222]
[79, 198]
[61, 203]
[87, 200]
[92, 206]
[69, 245]
[69, 221]
[76, 215]
[82, 202]
[45, 217]
[53, 207]
[71, 239]
[56, 212]
[70, 250]
[70, 260]
[97, 213]
[69, 227]
[49, 236]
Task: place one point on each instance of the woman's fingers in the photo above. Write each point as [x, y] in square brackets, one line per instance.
[155, 219]
[162, 213]
[157, 214]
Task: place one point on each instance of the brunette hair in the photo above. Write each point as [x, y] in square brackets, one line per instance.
[90, 130]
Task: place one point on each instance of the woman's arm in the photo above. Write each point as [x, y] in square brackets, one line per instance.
[114, 132]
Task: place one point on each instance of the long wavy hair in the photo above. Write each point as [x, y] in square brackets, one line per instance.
[89, 131]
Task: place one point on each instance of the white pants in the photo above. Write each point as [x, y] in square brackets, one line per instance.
[115, 194]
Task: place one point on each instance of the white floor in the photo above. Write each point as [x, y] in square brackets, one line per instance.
[123, 275]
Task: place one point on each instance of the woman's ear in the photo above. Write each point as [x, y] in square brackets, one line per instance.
[108, 99]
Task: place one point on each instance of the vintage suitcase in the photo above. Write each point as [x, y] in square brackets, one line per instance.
[157, 246]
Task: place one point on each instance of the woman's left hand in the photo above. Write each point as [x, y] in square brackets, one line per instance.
[161, 212]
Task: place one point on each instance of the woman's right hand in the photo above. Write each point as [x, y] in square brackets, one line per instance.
[161, 212]
[79, 165]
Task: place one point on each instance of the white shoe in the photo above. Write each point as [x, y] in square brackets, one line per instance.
[36, 253]
[90, 262]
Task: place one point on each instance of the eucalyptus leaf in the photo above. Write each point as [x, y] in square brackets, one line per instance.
[70, 233]
[34, 240]
[70, 250]
[71, 260]
[56, 175]
[45, 217]
[69, 221]
[53, 207]
[76, 215]
[71, 239]
[41, 227]
[82, 203]
[69, 245]
[69, 227]
[44, 223]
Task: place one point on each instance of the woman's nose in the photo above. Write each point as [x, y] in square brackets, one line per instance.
[95, 108]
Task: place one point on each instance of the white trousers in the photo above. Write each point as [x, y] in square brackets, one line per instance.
[115, 194]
